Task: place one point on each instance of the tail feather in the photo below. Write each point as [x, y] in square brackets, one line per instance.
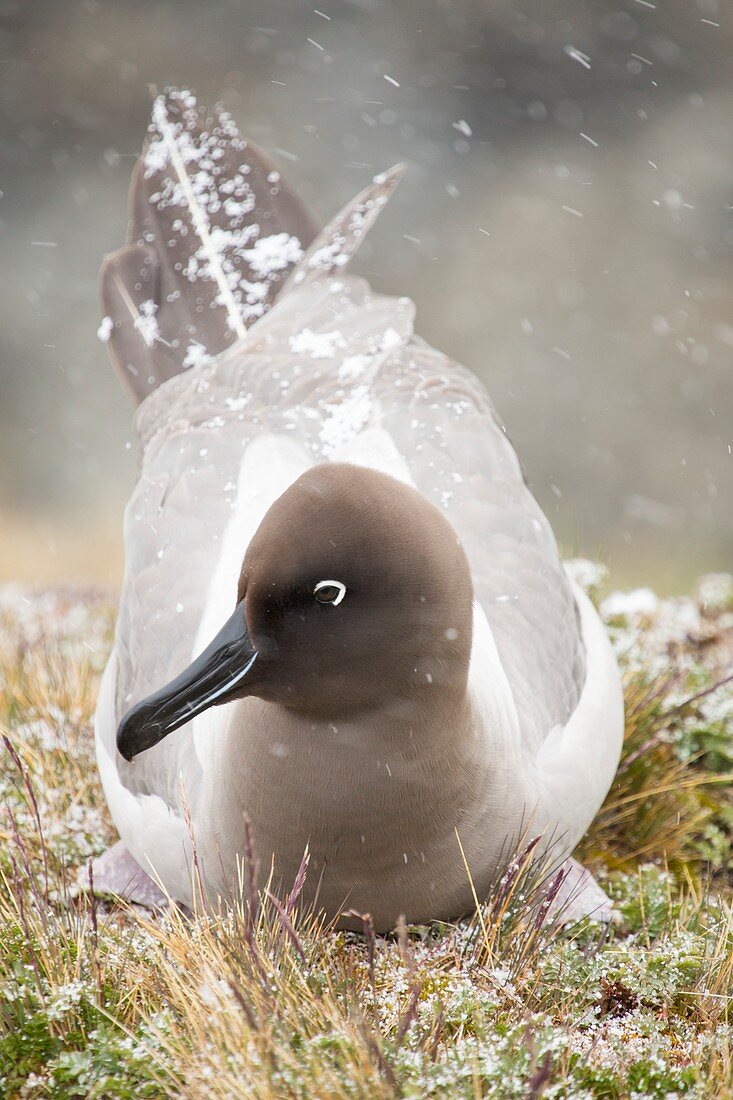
[214, 233]
[334, 247]
[215, 237]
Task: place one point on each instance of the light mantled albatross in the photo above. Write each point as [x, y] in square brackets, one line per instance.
[399, 659]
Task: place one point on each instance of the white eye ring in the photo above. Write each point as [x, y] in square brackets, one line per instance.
[331, 584]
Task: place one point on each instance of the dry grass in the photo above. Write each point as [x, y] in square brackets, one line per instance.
[99, 1000]
[661, 801]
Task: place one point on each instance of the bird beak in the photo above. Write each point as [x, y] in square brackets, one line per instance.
[216, 676]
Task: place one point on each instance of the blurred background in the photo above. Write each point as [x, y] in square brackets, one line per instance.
[565, 228]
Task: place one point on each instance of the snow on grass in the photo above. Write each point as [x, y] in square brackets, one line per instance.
[101, 1000]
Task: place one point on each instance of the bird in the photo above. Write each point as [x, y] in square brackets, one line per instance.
[345, 632]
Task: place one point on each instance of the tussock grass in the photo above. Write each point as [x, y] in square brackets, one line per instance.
[663, 800]
[105, 1000]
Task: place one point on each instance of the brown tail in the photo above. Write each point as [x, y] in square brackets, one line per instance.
[214, 233]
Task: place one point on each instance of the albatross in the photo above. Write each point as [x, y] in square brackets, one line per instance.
[344, 625]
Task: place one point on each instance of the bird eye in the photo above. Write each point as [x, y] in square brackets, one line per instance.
[331, 592]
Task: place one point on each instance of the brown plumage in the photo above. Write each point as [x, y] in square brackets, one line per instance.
[405, 576]
[197, 176]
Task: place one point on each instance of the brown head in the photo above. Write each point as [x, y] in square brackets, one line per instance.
[354, 593]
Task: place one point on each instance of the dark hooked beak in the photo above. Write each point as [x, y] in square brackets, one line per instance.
[216, 676]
